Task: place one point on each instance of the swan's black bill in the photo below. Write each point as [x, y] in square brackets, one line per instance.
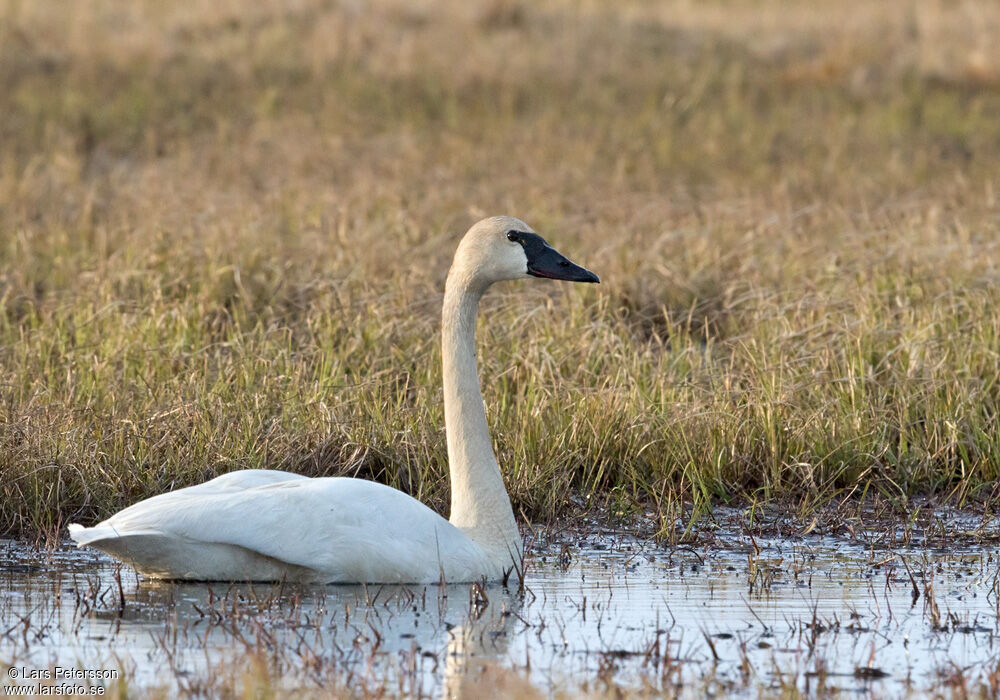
[545, 261]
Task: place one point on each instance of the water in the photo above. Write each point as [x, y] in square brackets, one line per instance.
[597, 613]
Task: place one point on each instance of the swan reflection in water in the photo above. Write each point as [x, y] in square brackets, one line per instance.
[429, 640]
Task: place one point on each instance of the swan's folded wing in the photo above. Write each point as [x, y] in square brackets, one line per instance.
[156, 510]
[349, 529]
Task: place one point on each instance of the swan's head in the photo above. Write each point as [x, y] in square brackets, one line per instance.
[504, 248]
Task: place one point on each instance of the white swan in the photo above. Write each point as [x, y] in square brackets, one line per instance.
[263, 525]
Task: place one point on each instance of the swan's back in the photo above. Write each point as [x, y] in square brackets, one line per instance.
[268, 525]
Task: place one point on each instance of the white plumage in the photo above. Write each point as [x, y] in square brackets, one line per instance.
[268, 525]
[265, 525]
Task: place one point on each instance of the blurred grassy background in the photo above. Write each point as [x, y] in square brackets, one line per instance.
[225, 227]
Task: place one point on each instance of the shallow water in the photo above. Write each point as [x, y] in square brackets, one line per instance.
[604, 611]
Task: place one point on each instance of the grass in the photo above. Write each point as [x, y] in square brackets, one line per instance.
[224, 232]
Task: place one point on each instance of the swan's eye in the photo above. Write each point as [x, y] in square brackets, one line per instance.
[512, 236]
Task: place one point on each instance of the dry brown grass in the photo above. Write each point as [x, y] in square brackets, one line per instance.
[224, 230]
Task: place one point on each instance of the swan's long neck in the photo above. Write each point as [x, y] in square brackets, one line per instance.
[479, 503]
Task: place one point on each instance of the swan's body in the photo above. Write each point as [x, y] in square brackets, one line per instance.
[264, 525]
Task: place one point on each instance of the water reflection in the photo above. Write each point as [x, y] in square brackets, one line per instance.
[617, 613]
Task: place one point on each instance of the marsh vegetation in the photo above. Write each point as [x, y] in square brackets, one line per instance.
[224, 232]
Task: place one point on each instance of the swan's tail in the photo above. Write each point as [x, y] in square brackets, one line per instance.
[78, 533]
[84, 536]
